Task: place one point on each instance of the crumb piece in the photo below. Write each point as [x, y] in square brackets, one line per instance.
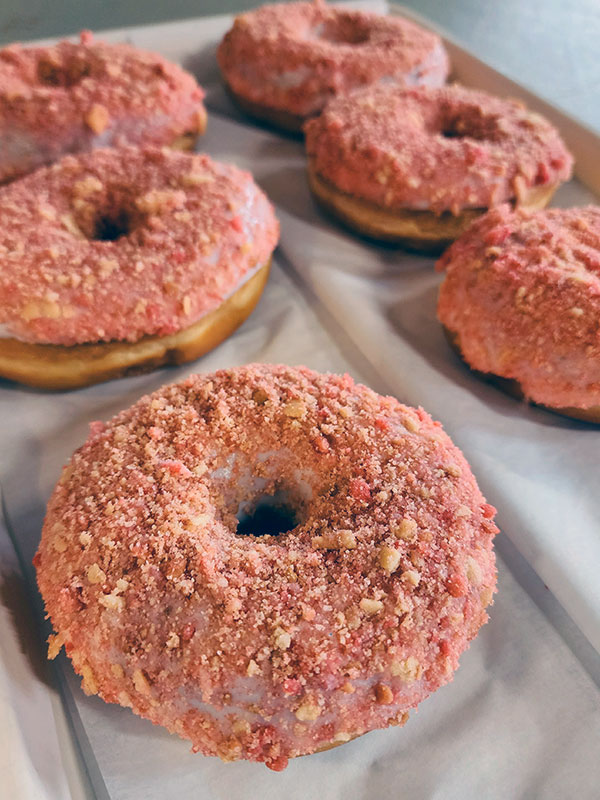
[95, 574]
[97, 118]
[282, 639]
[55, 642]
[389, 559]
[88, 683]
[405, 529]
[308, 711]
[412, 577]
[383, 694]
[141, 682]
[370, 606]
[409, 670]
[112, 602]
[335, 540]
[295, 409]
[253, 669]
[342, 736]
[260, 397]
[117, 670]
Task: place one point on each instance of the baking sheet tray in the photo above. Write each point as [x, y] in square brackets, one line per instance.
[522, 717]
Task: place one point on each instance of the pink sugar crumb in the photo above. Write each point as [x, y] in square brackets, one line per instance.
[359, 489]
[267, 647]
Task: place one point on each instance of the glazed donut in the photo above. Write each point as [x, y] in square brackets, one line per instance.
[521, 300]
[267, 561]
[418, 166]
[72, 97]
[282, 63]
[119, 260]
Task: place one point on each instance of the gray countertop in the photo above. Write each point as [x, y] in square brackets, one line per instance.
[550, 46]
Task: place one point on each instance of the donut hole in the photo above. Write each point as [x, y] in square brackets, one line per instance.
[111, 227]
[52, 73]
[470, 124]
[341, 30]
[268, 515]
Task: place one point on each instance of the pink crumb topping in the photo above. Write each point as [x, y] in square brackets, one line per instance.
[440, 149]
[295, 56]
[522, 292]
[267, 647]
[71, 97]
[116, 244]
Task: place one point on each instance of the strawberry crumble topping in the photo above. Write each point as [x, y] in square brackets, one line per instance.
[254, 646]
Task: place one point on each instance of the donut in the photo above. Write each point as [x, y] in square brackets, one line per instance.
[281, 63]
[72, 97]
[416, 166]
[520, 301]
[266, 560]
[119, 260]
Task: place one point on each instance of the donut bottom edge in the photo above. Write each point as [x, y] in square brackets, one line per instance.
[269, 116]
[59, 367]
[422, 231]
[512, 387]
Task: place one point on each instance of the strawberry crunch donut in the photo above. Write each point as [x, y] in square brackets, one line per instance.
[417, 166]
[120, 260]
[175, 594]
[282, 63]
[73, 97]
[521, 300]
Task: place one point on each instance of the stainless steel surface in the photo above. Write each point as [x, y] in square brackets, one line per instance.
[550, 46]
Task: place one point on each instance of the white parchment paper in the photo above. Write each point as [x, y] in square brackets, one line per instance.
[522, 717]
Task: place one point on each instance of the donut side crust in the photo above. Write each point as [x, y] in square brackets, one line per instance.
[58, 367]
[422, 231]
[513, 388]
[272, 117]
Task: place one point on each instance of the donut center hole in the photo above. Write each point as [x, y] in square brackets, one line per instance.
[341, 31]
[269, 515]
[109, 228]
[468, 126]
[451, 133]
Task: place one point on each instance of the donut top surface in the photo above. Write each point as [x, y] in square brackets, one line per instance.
[117, 243]
[297, 55]
[382, 581]
[522, 292]
[63, 97]
[440, 149]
